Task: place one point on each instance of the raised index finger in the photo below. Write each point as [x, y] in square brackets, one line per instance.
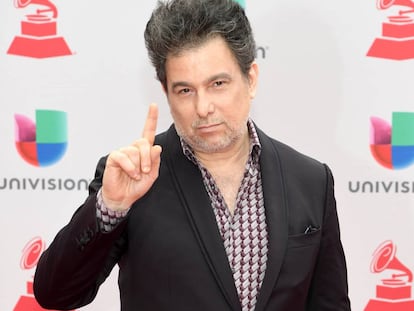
[150, 126]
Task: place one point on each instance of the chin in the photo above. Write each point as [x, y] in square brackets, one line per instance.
[206, 146]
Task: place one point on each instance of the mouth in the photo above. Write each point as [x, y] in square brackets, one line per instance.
[202, 126]
[208, 126]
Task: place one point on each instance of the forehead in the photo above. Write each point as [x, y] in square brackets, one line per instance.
[206, 58]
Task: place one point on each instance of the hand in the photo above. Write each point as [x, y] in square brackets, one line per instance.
[131, 171]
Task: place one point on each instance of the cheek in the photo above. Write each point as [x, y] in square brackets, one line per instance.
[181, 116]
[240, 109]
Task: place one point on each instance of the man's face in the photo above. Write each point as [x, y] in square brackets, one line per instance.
[209, 97]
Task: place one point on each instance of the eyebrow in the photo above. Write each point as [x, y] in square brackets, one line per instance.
[222, 75]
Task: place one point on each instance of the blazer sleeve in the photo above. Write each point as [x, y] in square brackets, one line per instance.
[80, 258]
[329, 288]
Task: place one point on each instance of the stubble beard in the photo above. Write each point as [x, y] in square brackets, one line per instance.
[199, 144]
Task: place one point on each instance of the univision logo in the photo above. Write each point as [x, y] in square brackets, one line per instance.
[43, 142]
[392, 145]
[242, 3]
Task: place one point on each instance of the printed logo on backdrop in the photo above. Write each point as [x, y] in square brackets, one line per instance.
[30, 257]
[392, 148]
[397, 39]
[393, 292]
[43, 142]
[392, 145]
[38, 36]
[242, 3]
[261, 51]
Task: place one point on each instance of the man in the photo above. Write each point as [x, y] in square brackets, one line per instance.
[211, 214]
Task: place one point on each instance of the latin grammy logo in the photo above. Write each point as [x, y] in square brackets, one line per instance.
[38, 37]
[30, 257]
[394, 293]
[29, 260]
[397, 41]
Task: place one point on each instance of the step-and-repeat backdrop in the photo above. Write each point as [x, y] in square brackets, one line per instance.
[336, 82]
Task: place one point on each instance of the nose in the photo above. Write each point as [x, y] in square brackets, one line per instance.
[203, 105]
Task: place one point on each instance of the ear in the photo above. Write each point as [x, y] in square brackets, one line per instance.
[253, 76]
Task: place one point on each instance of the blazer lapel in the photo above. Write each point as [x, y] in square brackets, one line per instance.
[190, 188]
[276, 216]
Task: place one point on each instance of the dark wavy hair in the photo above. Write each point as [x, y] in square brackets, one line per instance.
[179, 25]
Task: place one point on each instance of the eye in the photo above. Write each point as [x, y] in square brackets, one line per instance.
[219, 83]
[184, 91]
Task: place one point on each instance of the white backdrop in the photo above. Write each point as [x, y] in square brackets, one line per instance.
[318, 90]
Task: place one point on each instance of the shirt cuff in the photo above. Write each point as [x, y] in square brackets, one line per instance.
[107, 218]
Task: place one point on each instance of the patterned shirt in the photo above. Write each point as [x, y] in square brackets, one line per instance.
[244, 233]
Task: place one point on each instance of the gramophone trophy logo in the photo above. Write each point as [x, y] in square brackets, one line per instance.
[29, 260]
[39, 37]
[397, 40]
[30, 257]
[394, 292]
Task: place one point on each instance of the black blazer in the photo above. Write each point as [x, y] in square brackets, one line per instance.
[170, 253]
